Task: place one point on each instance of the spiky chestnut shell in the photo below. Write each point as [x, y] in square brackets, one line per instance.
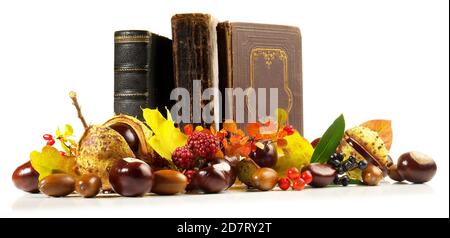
[98, 149]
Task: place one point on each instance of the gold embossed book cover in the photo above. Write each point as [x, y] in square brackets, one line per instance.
[263, 56]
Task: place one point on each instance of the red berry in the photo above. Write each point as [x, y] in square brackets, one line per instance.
[289, 129]
[203, 145]
[47, 137]
[298, 184]
[307, 176]
[189, 175]
[183, 158]
[293, 173]
[284, 183]
[62, 153]
[51, 142]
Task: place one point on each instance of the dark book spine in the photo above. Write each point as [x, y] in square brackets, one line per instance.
[161, 82]
[131, 72]
[195, 58]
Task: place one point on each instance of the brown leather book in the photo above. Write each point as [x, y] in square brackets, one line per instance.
[195, 58]
[262, 56]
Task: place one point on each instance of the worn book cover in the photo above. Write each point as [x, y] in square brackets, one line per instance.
[195, 58]
[262, 56]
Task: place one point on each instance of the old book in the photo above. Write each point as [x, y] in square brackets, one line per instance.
[262, 56]
[195, 58]
[143, 74]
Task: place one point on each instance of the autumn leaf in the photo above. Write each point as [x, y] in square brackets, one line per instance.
[383, 128]
[230, 126]
[166, 136]
[50, 161]
[188, 129]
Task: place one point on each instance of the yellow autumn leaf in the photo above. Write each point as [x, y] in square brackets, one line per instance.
[166, 136]
[282, 117]
[68, 130]
[297, 153]
[50, 161]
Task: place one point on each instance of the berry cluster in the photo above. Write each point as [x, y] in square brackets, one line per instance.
[183, 158]
[200, 146]
[342, 167]
[295, 179]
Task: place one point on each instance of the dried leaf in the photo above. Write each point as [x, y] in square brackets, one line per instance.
[230, 126]
[383, 128]
[253, 129]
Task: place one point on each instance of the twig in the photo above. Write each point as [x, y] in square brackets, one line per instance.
[73, 96]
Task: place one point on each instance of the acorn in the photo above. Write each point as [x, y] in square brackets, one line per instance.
[365, 144]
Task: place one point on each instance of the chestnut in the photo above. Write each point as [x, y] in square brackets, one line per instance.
[88, 185]
[26, 178]
[393, 173]
[131, 177]
[265, 154]
[416, 167]
[372, 175]
[322, 174]
[57, 185]
[128, 134]
[168, 182]
[265, 179]
[214, 178]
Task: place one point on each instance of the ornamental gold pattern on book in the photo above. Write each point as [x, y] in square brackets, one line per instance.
[269, 55]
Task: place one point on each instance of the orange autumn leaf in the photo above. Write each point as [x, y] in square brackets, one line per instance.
[244, 140]
[213, 130]
[235, 139]
[188, 129]
[383, 128]
[253, 129]
[230, 126]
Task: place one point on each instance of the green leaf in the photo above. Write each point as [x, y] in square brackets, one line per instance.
[329, 141]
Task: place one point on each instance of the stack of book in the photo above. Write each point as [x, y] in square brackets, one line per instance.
[213, 55]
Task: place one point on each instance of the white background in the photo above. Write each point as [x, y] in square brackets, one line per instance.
[366, 59]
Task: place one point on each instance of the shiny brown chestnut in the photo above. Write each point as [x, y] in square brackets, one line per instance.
[128, 134]
[265, 179]
[168, 182]
[57, 185]
[214, 178]
[88, 185]
[26, 178]
[372, 175]
[265, 154]
[416, 167]
[323, 174]
[393, 173]
[131, 177]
